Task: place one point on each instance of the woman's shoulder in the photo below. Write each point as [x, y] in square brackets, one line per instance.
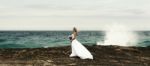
[72, 35]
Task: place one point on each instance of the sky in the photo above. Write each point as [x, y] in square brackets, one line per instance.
[65, 14]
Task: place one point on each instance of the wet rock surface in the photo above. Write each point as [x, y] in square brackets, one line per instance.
[59, 56]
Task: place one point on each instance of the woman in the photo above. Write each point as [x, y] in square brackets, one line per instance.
[77, 48]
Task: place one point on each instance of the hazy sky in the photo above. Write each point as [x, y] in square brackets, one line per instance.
[65, 14]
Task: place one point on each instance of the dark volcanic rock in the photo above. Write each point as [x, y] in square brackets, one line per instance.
[103, 56]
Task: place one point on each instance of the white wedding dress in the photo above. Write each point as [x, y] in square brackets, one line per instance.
[79, 50]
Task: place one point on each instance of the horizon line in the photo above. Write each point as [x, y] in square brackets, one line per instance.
[64, 30]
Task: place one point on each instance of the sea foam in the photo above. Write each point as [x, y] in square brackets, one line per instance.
[118, 34]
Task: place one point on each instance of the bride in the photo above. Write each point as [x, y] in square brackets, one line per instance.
[77, 48]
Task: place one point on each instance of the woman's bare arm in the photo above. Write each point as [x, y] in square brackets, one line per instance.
[74, 36]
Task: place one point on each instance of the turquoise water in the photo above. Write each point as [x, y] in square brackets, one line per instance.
[36, 39]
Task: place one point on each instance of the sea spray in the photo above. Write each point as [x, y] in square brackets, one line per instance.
[120, 35]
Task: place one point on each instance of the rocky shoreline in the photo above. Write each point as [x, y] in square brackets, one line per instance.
[59, 56]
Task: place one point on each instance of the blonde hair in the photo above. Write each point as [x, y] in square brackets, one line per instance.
[75, 30]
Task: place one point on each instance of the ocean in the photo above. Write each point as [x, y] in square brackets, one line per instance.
[38, 39]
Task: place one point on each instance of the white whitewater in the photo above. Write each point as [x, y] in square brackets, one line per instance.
[120, 35]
